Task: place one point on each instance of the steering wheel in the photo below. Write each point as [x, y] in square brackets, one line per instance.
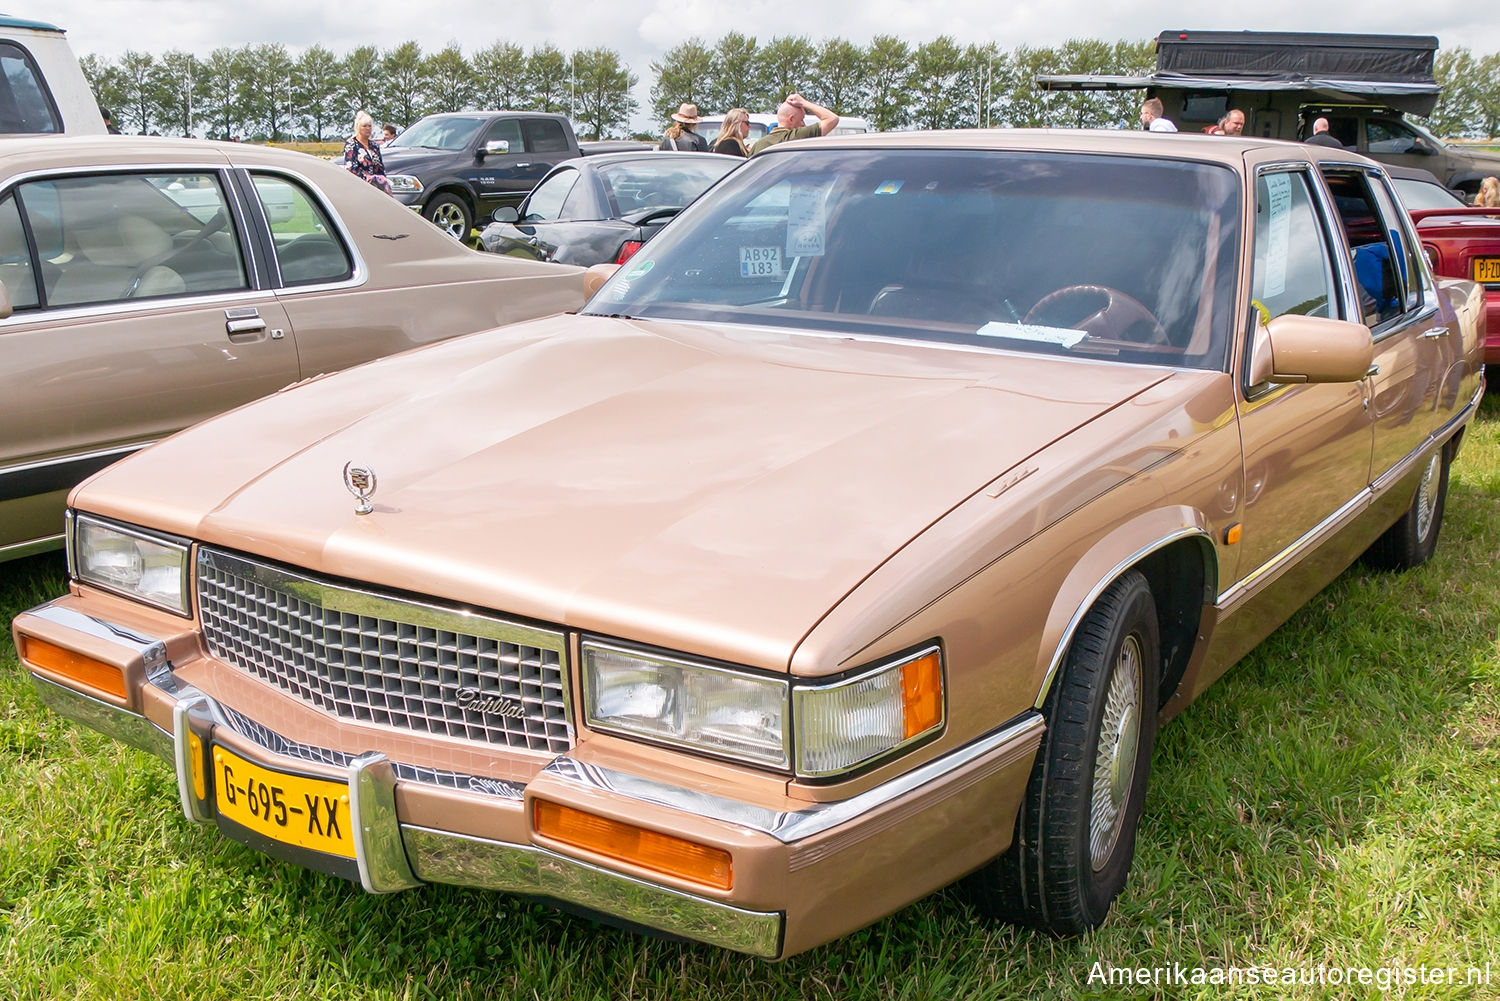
[1099, 310]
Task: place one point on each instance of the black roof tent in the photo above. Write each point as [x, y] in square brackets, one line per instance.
[1335, 68]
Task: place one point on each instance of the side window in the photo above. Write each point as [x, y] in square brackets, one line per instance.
[1292, 273]
[1407, 253]
[114, 237]
[1385, 136]
[1379, 263]
[545, 203]
[545, 135]
[507, 129]
[308, 249]
[25, 105]
[578, 204]
[15, 258]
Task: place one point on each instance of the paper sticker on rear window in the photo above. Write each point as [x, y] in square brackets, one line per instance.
[807, 220]
[760, 262]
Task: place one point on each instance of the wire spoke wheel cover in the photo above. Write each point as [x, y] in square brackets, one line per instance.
[1427, 496]
[1114, 762]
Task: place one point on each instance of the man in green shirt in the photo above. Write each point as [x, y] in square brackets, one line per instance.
[790, 116]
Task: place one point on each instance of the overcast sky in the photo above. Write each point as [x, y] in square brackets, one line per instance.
[641, 30]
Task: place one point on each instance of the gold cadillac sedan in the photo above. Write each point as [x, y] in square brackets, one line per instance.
[146, 284]
[855, 538]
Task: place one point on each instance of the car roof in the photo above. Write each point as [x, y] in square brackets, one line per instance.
[7, 21]
[24, 153]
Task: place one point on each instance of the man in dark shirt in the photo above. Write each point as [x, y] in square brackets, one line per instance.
[791, 115]
[1321, 136]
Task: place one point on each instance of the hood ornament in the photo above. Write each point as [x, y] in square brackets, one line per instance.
[361, 483]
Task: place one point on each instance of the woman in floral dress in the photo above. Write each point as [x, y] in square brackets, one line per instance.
[362, 153]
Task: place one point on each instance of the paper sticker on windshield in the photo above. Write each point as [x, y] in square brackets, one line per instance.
[1062, 336]
[807, 220]
[888, 187]
[760, 262]
[1278, 232]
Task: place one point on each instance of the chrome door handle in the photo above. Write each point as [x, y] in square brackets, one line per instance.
[1373, 370]
[243, 320]
[523, 165]
[1435, 333]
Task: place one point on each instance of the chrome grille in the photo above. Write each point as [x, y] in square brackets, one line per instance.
[379, 659]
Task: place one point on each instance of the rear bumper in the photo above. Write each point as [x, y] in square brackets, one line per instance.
[802, 876]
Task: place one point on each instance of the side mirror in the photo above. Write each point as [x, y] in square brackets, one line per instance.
[595, 277]
[496, 146]
[5, 307]
[507, 213]
[1294, 348]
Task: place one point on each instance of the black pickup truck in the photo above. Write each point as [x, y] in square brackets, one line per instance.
[459, 167]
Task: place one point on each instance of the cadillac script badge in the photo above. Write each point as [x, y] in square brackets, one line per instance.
[361, 483]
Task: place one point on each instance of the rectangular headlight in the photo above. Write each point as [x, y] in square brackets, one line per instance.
[841, 726]
[688, 704]
[132, 562]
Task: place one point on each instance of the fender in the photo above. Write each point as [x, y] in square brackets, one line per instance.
[1123, 547]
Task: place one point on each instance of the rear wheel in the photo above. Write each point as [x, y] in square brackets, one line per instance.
[1075, 833]
[1411, 541]
[451, 215]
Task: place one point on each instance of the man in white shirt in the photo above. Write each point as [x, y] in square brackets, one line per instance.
[1151, 116]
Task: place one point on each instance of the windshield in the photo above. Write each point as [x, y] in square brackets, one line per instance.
[446, 133]
[1128, 258]
[662, 181]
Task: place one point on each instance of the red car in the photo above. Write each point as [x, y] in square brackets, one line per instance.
[1460, 242]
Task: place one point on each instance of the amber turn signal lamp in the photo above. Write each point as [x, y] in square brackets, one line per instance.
[84, 671]
[661, 853]
[922, 694]
[1232, 535]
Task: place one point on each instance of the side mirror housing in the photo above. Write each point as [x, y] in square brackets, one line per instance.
[506, 213]
[595, 277]
[1294, 348]
[495, 146]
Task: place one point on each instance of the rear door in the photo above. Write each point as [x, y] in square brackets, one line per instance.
[135, 314]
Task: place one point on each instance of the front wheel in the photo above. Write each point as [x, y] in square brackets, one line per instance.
[1075, 833]
[1411, 541]
[451, 215]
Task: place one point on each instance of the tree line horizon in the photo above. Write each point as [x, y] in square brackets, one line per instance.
[265, 93]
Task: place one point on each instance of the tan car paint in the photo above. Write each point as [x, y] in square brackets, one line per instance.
[80, 380]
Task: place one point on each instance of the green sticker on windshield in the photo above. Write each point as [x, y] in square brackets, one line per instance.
[639, 270]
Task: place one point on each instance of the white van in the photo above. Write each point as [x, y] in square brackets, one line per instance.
[42, 88]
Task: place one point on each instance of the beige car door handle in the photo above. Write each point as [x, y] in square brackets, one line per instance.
[244, 323]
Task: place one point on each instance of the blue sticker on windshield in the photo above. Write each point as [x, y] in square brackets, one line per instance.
[888, 187]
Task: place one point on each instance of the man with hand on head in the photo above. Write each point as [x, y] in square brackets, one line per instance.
[791, 115]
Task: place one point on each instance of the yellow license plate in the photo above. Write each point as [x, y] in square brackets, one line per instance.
[1487, 269]
[293, 809]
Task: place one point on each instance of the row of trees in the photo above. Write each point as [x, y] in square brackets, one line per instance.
[265, 92]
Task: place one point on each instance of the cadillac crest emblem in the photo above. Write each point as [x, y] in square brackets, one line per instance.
[361, 483]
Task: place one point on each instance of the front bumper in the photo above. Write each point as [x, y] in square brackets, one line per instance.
[815, 872]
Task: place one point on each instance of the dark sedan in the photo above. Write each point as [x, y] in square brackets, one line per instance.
[600, 209]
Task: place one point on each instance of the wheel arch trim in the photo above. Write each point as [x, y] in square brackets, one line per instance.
[1114, 554]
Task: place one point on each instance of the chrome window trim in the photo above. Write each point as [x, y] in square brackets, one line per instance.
[793, 825]
[1055, 664]
[56, 314]
[121, 450]
[361, 272]
[683, 660]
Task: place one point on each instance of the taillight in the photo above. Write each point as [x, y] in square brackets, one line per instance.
[626, 249]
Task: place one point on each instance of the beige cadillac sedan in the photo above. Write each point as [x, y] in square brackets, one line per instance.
[146, 284]
[855, 538]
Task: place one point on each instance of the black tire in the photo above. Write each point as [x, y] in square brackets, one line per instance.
[1411, 541]
[1075, 838]
[450, 214]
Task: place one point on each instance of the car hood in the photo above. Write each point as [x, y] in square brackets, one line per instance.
[717, 489]
[402, 160]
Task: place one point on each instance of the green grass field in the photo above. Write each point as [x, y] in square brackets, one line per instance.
[1333, 802]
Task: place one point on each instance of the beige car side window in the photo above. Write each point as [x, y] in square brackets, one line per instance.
[1292, 272]
[308, 250]
[111, 238]
[15, 258]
